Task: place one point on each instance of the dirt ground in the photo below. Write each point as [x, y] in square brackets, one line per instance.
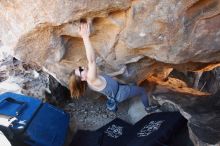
[90, 113]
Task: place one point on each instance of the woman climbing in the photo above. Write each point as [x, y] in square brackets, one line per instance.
[115, 92]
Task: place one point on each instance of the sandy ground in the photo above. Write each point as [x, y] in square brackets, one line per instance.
[90, 113]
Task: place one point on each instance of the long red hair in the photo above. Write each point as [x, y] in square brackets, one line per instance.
[76, 86]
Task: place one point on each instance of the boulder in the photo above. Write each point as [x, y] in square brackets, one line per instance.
[135, 40]
[202, 114]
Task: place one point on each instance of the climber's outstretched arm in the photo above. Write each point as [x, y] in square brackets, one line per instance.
[84, 31]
